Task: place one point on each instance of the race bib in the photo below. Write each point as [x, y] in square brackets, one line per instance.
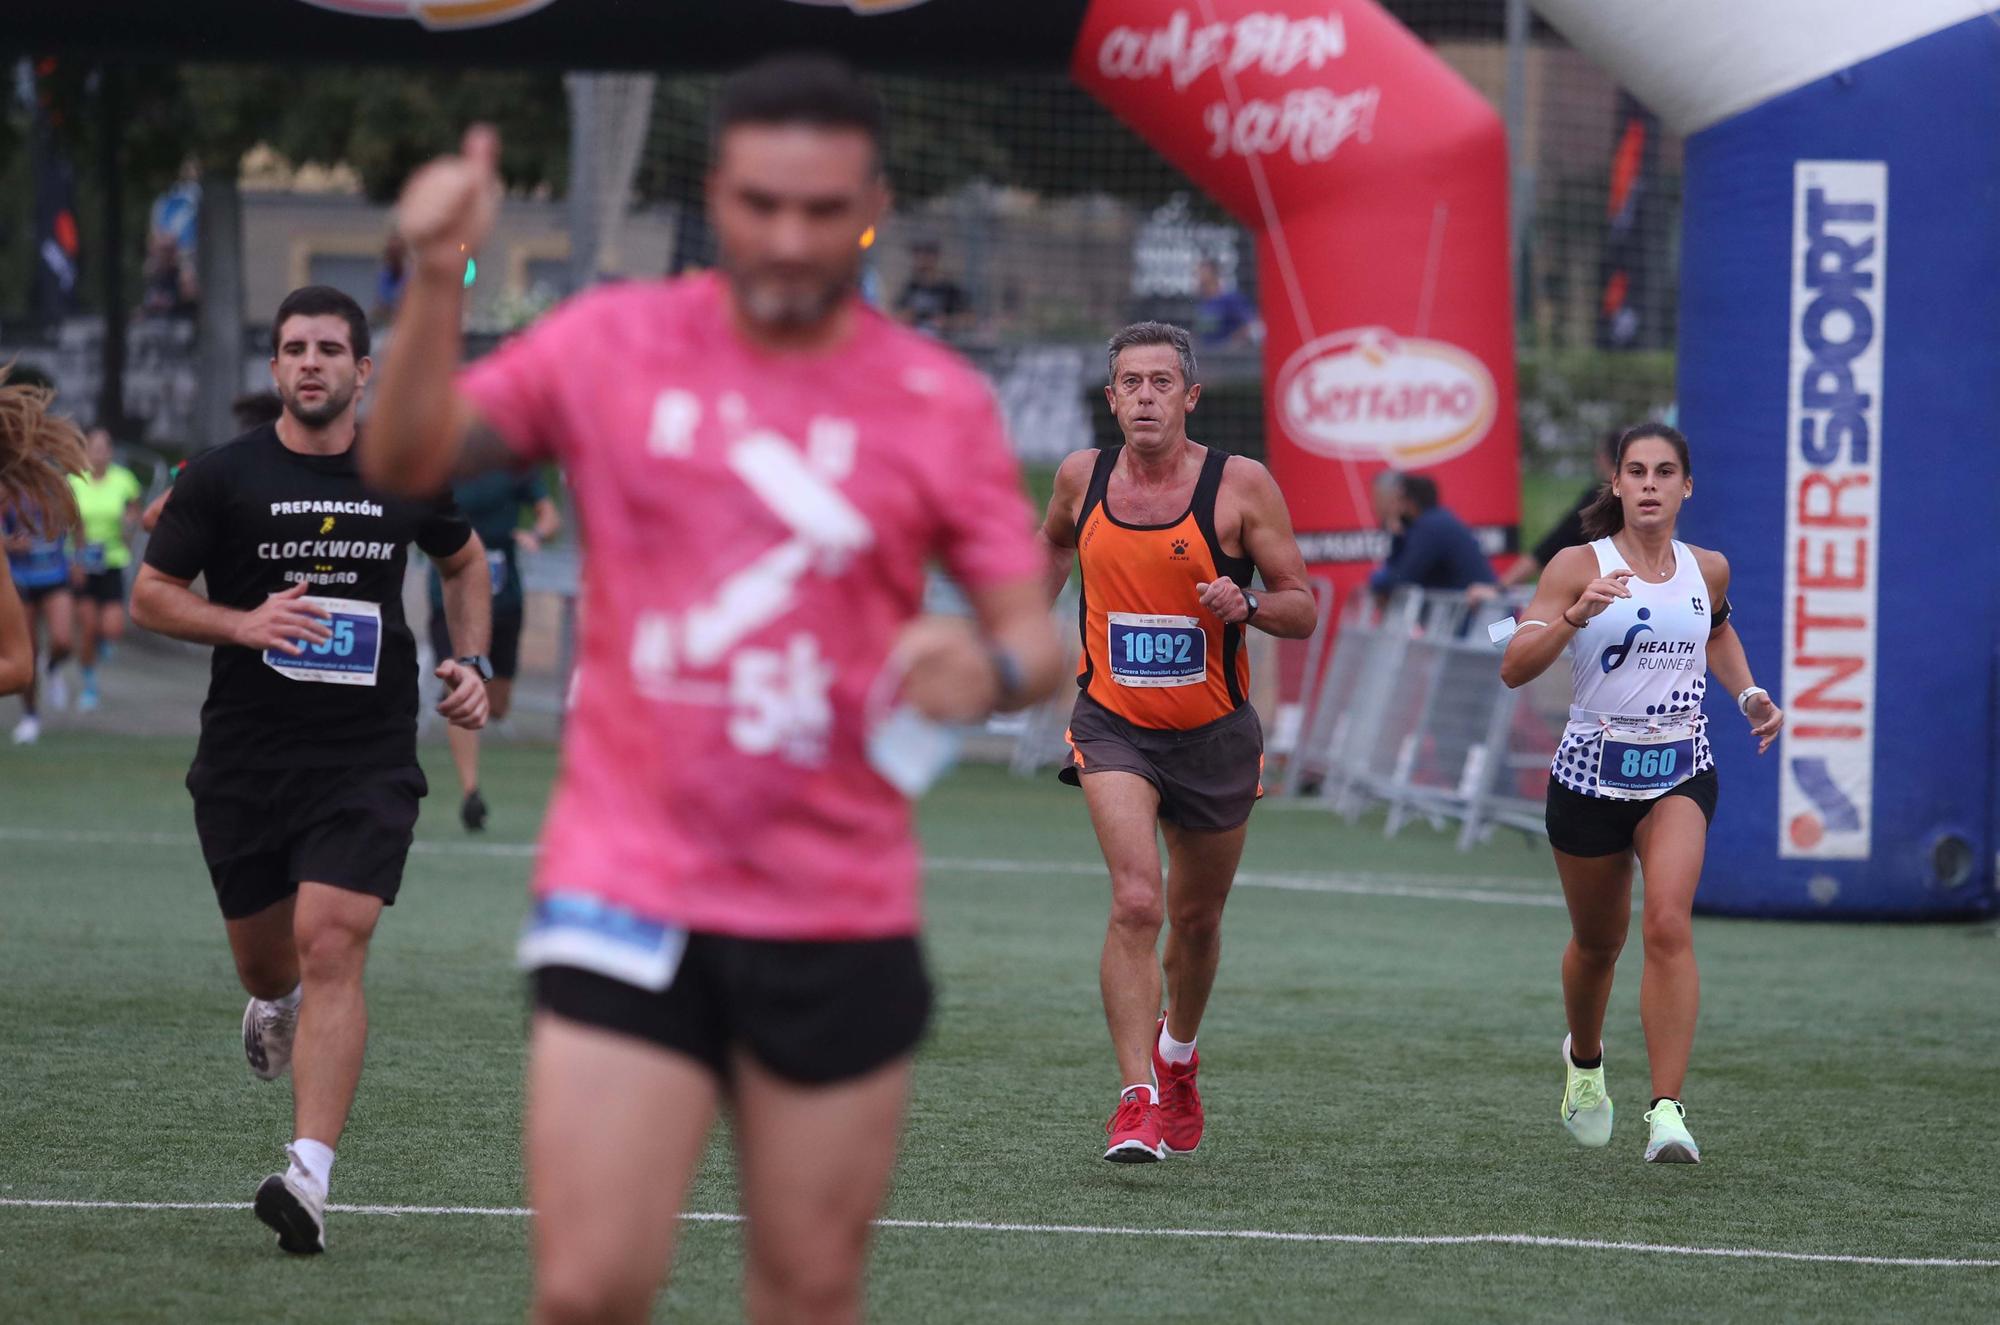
[348, 657]
[575, 929]
[1636, 764]
[1156, 650]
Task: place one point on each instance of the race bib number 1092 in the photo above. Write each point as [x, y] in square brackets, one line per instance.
[1149, 650]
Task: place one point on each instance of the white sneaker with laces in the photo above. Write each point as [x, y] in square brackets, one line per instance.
[268, 1029]
[1670, 1141]
[28, 730]
[1586, 1106]
[294, 1205]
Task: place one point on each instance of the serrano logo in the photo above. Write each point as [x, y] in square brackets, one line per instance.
[1624, 651]
[1368, 394]
[437, 14]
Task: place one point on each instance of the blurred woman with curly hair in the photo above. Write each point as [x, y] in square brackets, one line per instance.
[39, 450]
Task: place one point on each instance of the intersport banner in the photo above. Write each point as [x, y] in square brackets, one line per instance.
[1376, 182]
[1840, 251]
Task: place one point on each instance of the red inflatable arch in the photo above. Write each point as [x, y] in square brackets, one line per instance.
[1376, 182]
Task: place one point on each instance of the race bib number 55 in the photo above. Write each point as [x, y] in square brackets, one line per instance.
[1156, 650]
[349, 656]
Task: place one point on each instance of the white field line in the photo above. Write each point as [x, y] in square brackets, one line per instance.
[1492, 890]
[1118, 1231]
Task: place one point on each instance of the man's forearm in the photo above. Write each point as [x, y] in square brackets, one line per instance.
[1058, 562]
[468, 608]
[175, 610]
[1031, 644]
[416, 426]
[1286, 613]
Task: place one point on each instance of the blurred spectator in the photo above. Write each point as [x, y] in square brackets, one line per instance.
[1429, 546]
[1221, 317]
[1569, 530]
[170, 288]
[389, 281]
[251, 410]
[932, 302]
[254, 409]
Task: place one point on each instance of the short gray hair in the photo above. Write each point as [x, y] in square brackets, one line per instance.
[1153, 333]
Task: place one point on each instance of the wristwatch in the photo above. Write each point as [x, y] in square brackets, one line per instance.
[478, 662]
[1251, 600]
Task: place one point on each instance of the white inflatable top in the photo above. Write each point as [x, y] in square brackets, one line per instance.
[1697, 62]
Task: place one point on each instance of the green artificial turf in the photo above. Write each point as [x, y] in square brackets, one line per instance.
[1375, 1065]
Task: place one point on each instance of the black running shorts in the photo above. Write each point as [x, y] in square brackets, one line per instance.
[1208, 777]
[265, 831]
[504, 652]
[104, 586]
[1581, 825]
[811, 1012]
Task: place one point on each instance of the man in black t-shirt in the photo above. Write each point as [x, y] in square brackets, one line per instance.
[932, 302]
[1568, 531]
[305, 780]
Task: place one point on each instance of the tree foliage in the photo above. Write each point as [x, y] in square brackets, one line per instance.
[1041, 133]
[381, 121]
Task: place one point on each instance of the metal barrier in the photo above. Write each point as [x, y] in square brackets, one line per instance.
[1410, 716]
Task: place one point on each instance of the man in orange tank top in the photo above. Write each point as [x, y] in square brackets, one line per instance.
[1163, 740]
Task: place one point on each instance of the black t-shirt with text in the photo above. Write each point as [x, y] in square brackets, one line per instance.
[256, 518]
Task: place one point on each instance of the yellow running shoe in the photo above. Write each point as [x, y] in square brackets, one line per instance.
[1586, 1108]
[1670, 1143]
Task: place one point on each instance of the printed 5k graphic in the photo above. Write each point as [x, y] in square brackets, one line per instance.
[778, 697]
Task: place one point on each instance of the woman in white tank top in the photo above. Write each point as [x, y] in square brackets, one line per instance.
[1645, 619]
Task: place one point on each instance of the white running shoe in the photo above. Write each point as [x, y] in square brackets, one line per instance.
[1670, 1142]
[28, 730]
[1586, 1106]
[293, 1205]
[56, 691]
[268, 1029]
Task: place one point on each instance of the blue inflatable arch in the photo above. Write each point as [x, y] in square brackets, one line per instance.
[1840, 385]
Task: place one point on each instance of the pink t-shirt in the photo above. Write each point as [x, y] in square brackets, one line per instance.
[755, 528]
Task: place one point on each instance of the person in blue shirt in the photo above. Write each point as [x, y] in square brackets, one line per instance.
[390, 279]
[38, 450]
[1429, 546]
[1221, 317]
[38, 559]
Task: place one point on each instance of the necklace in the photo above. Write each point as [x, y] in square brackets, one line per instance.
[1648, 572]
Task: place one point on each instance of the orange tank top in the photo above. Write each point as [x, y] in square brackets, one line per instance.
[1152, 653]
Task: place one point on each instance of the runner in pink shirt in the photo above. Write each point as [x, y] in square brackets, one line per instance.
[727, 896]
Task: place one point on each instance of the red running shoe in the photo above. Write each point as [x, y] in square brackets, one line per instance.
[1180, 1102]
[1134, 1131]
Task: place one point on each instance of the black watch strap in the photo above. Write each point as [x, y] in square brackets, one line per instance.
[1253, 603]
[479, 663]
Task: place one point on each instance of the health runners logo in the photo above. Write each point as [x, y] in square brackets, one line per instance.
[1623, 651]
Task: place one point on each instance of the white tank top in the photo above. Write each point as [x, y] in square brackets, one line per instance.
[1643, 658]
